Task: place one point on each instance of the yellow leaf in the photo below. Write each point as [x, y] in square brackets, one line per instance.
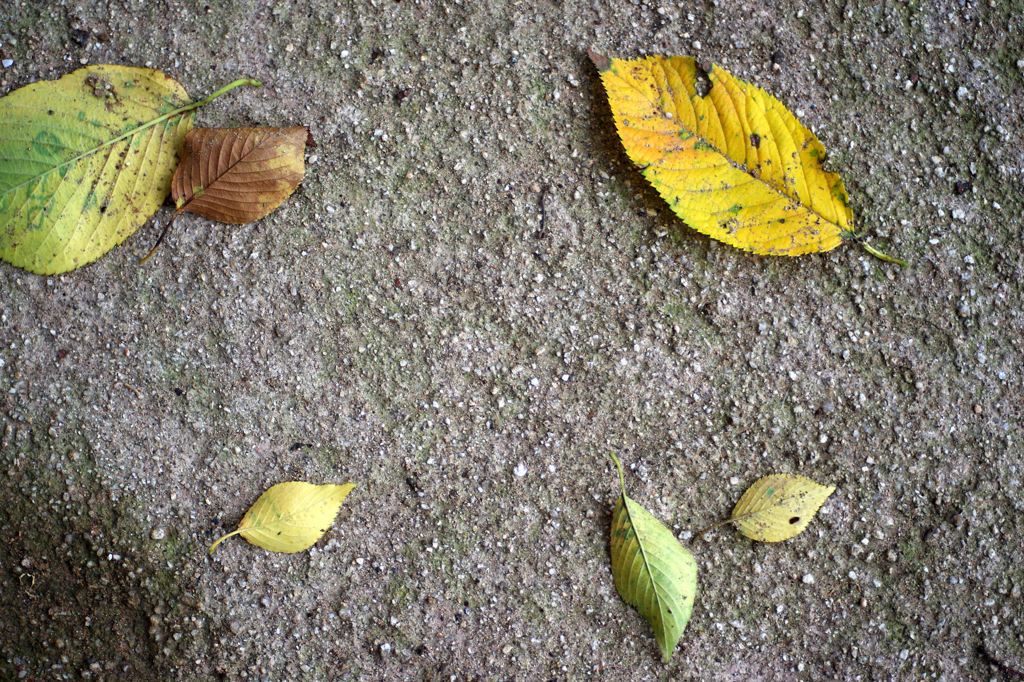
[290, 516]
[729, 158]
[779, 506]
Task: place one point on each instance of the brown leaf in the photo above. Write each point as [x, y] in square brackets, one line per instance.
[237, 175]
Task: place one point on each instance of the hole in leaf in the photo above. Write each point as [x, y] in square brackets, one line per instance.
[793, 520]
[702, 82]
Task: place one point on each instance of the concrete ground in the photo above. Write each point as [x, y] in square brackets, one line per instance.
[474, 297]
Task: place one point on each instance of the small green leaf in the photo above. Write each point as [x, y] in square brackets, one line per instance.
[652, 571]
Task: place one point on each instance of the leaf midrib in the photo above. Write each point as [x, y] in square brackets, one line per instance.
[733, 164]
[647, 563]
[109, 143]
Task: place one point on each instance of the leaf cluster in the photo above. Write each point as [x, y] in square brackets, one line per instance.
[85, 160]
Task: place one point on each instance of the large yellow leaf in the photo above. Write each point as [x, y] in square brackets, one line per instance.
[779, 506]
[729, 158]
[85, 160]
[291, 516]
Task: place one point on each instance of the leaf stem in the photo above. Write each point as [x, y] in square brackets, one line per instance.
[191, 107]
[224, 537]
[712, 527]
[622, 480]
[734, 519]
[881, 256]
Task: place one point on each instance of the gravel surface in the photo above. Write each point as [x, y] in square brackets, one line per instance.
[474, 297]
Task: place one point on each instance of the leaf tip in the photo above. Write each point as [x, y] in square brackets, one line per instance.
[602, 62]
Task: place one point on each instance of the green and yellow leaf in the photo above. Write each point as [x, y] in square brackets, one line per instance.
[652, 571]
[779, 507]
[85, 160]
[291, 516]
[729, 158]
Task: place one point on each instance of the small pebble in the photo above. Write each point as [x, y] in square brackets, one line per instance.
[158, 533]
[8, 63]
[236, 626]
[808, 579]
[520, 470]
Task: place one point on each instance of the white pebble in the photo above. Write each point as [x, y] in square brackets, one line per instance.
[808, 579]
[520, 470]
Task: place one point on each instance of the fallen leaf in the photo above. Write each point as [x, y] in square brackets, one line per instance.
[652, 571]
[291, 516]
[779, 507]
[731, 160]
[237, 175]
[85, 160]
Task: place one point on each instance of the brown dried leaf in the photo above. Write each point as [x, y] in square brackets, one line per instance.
[237, 175]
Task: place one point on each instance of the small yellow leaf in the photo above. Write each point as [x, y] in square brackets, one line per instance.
[290, 516]
[779, 506]
[731, 160]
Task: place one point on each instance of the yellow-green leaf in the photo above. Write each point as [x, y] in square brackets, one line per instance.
[729, 158]
[778, 507]
[85, 160]
[291, 516]
[652, 571]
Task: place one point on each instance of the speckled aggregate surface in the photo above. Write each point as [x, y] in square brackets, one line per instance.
[470, 300]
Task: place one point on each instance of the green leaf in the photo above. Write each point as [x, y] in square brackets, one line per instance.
[652, 571]
[85, 160]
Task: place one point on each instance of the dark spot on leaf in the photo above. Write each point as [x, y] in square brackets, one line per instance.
[49, 112]
[793, 520]
[278, 532]
[103, 208]
[755, 140]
